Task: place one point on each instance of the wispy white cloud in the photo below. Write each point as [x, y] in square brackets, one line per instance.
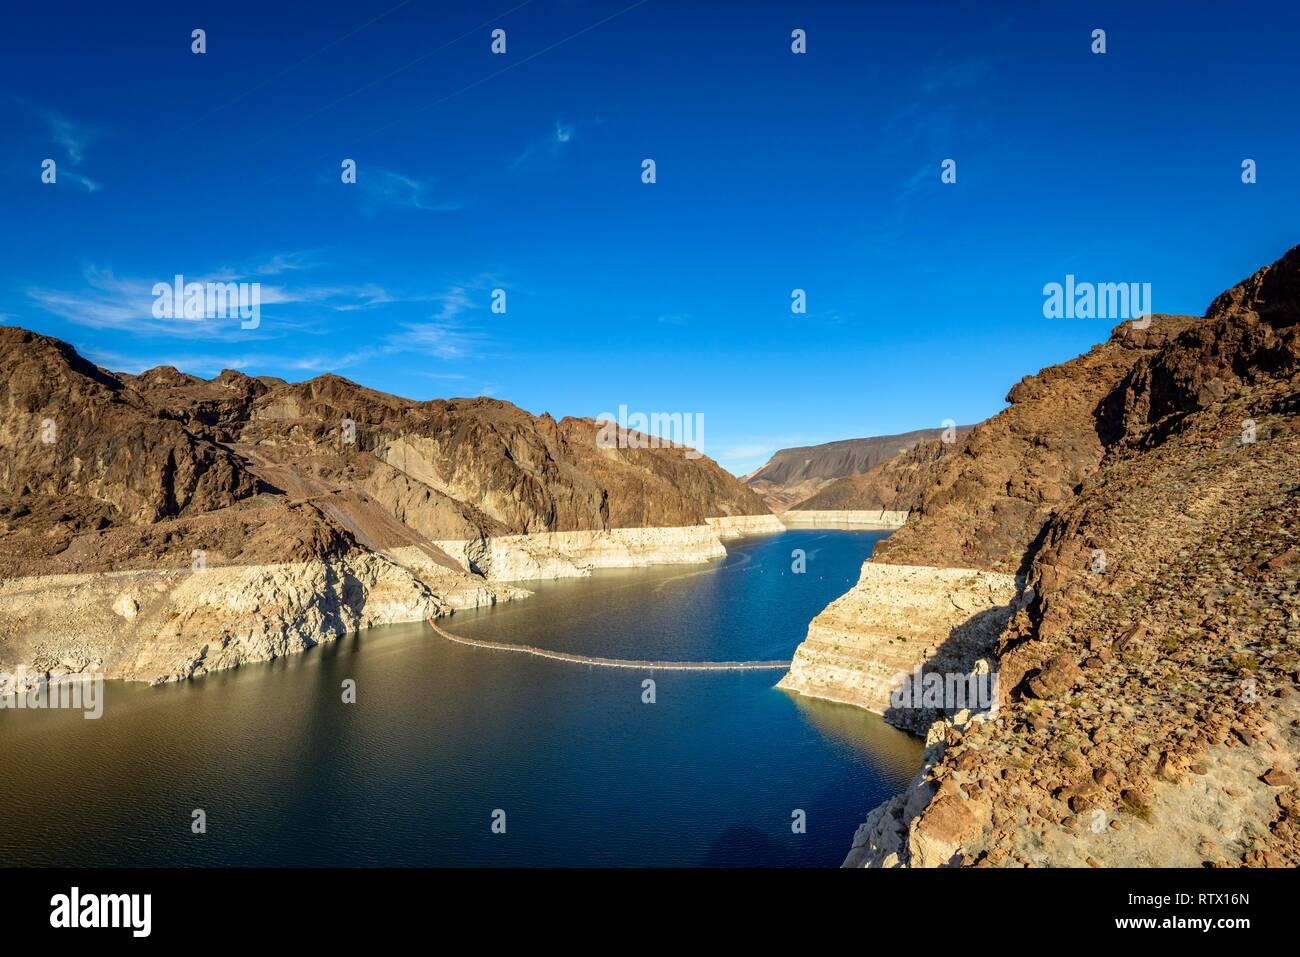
[385, 189]
[85, 182]
[105, 300]
[748, 451]
[443, 335]
[437, 339]
[441, 330]
[200, 365]
[551, 147]
[71, 138]
[928, 122]
[441, 338]
[286, 262]
[452, 303]
[929, 170]
[369, 296]
[444, 340]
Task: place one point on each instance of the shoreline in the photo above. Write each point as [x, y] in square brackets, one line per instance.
[898, 621]
[171, 624]
[867, 519]
[895, 619]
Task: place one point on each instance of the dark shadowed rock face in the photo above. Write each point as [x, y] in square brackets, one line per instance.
[141, 469]
[1249, 335]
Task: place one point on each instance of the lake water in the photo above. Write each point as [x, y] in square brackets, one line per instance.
[443, 735]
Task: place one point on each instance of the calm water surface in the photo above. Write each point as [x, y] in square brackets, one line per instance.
[442, 735]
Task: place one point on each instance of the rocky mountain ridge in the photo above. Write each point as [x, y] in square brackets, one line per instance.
[105, 471]
[136, 509]
[1148, 495]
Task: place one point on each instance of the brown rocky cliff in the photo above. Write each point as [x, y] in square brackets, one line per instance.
[1176, 651]
[71, 429]
[145, 468]
[1205, 467]
[984, 506]
[1149, 686]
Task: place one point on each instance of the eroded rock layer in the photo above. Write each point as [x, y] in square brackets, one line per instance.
[843, 518]
[896, 619]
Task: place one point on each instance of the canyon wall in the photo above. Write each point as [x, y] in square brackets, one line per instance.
[894, 620]
[740, 526]
[169, 624]
[328, 505]
[1145, 495]
[547, 555]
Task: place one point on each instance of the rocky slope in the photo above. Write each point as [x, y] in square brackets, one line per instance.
[893, 485]
[1148, 713]
[793, 475]
[134, 509]
[985, 504]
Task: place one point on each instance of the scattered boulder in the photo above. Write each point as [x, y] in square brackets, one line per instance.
[1277, 777]
[1056, 677]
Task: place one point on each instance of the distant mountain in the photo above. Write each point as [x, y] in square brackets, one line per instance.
[895, 485]
[793, 475]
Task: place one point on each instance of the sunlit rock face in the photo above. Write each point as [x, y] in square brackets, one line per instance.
[252, 517]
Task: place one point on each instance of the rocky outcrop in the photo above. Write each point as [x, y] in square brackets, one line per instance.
[71, 430]
[895, 620]
[925, 825]
[197, 487]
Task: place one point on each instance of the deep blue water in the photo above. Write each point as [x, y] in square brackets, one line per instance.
[443, 735]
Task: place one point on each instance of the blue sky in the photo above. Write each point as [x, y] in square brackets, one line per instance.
[522, 171]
